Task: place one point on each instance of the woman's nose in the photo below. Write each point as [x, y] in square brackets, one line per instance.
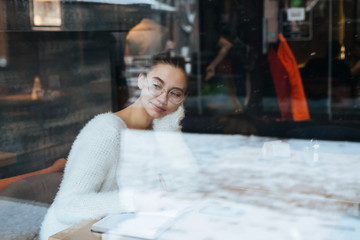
[163, 97]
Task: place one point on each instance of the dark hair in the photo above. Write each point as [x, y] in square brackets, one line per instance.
[177, 62]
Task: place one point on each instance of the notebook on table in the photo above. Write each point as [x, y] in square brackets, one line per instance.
[145, 225]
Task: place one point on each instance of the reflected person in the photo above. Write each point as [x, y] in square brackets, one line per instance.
[147, 38]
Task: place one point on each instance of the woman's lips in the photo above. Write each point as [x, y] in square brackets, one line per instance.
[157, 108]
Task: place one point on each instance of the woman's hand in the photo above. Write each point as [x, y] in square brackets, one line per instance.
[210, 72]
[225, 45]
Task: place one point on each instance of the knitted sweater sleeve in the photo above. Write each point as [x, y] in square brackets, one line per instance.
[171, 122]
[81, 195]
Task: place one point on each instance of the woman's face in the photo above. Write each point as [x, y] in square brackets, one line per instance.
[172, 80]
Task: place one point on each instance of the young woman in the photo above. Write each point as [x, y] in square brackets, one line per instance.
[89, 189]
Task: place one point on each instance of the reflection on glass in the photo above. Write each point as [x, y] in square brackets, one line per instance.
[3, 38]
[46, 13]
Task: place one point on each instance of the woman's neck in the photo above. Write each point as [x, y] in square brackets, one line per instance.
[135, 116]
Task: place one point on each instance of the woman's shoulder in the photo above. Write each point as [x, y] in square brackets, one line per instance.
[105, 122]
[109, 118]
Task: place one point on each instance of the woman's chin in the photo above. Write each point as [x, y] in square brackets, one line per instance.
[156, 114]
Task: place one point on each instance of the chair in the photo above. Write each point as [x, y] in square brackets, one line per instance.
[39, 186]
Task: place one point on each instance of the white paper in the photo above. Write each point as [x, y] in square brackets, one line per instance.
[147, 226]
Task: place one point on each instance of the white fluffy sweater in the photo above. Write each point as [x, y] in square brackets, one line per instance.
[89, 189]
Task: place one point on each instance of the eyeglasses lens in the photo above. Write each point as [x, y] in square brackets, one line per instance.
[156, 88]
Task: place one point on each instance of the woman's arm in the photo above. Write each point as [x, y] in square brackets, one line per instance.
[94, 153]
[225, 46]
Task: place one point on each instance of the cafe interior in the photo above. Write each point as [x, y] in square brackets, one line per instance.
[274, 132]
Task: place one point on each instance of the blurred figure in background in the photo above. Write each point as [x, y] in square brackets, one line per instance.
[148, 37]
[225, 68]
[239, 56]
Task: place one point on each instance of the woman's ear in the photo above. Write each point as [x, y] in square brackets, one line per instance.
[141, 80]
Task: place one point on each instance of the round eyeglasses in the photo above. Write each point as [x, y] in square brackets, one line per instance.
[156, 88]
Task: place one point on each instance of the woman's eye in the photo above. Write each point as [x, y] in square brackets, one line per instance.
[176, 94]
[157, 86]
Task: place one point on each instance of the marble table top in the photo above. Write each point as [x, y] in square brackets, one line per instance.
[286, 197]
